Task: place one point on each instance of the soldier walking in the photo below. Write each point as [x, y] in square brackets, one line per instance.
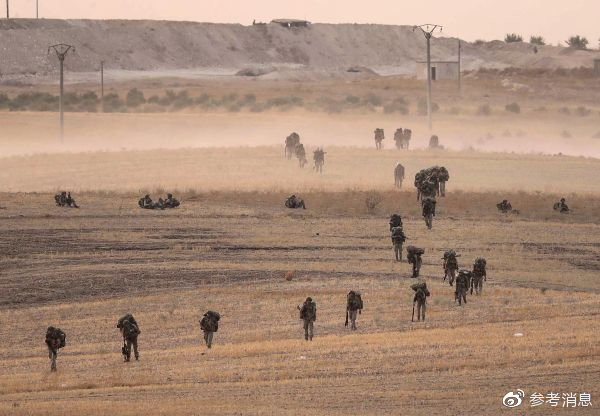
[428, 205]
[413, 255]
[354, 306]
[462, 286]
[55, 340]
[398, 239]
[129, 330]
[420, 299]
[209, 324]
[308, 314]
[450, 266]
[479, 275]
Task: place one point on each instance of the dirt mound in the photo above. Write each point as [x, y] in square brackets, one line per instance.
[320, 48]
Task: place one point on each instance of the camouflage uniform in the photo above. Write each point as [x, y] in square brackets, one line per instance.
[379, 137]
[443, 177]
[450, 266]
[55, 340]
[504, 206]
[420, 299]
[398, 239]
[479, 275]
[209, 324]
[291, 142]
[308, 314]
[561, 206]
[399, 138]
[428, 205]
[462, 286]
[406, 136]
[319, 159]
[301, 155]
[354, 306]
[413, 255]
[294, 202]
[171, 202]
[129, 330]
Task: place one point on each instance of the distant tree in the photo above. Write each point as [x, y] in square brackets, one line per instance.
[537, 40]
[135, 97]
[513, 37]
[577, 42]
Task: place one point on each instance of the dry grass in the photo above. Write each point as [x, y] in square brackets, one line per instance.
[81, 269]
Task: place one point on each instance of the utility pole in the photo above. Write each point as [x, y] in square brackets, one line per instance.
[61, 50]
[7, 13]
[37, 9]
[428, 30]
[102, 85]
[459, 73]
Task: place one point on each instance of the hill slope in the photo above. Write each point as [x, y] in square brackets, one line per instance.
[329, 48]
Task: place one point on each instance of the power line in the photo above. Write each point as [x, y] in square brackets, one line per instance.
[428, 29]
[61, 50]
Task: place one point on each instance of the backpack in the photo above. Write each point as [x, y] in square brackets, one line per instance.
[354, 301]
[412, 250]
[480, 263]
[398, 235]
[130, 329]
[308, 311]
[210, 321]
[55, 334]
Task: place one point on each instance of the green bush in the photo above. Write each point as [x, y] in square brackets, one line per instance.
[422, 107]
[398, 105]
[113, 103]
[577, 42]
[35, 101]
[512, 38]
[89, 102]
[373, 100]
[582, 111]
[135, 98]
[537, 40]
[4, 100]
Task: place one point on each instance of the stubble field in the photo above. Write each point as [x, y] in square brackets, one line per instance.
[82, 269]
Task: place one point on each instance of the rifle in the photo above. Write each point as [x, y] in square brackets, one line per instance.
[124, 350]
[413, 314]
[346, 324]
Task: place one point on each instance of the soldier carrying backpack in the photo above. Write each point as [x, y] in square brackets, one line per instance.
[479, 275]
[398, 239]
[129, 330]
[413, 255]
[209, 324]
[354, 304]
[421, 294]
[450, 265]
[308, 314]
[463, 281]
[55, 340]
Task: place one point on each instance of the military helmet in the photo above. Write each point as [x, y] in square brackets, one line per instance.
[309, 299]
[562, 200]
[169, 195]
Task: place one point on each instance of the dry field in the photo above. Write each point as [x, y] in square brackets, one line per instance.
[82, 269]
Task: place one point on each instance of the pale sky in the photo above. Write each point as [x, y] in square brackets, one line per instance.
[555, 20]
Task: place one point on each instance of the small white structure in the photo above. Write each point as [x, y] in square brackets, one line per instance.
[439, 70]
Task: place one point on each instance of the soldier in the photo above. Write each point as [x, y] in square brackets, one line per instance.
[55, 340]
[70, 201]
[428, 205]
[561, 206]
[443, 177]
[413, 255]
[434, 142]
[406, 138]
[291, 142]
[209, 324]
[171, 202]
[146, 202]
[301, 155]
[294, 202]
[504, 206]
[450, 266]
[399, 138]
[420, 299]
[354, 304]
[129, 330]
[398, 239]
[308, 314]
[319, 159]
[160, 204]
[379, 137]
[479, 274]
[463, 282]
[61, 199]
[398, 175]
